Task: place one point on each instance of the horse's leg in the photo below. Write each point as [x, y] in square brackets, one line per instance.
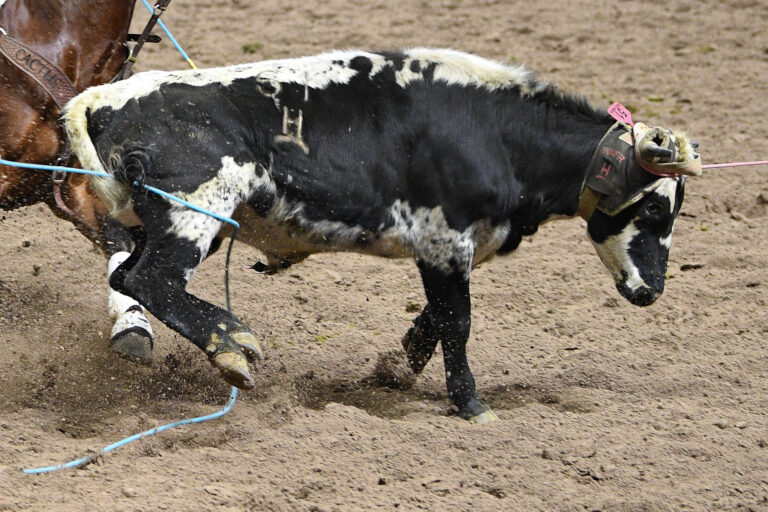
[20, 124]
[450, 314]
[131, 332]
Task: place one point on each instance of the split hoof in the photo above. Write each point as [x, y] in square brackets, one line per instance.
[134, 343]
[249, 344]
[234, 369]
[485, 417]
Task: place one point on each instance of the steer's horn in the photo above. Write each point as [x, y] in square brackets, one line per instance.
[654, 150]
[657, 152]
[654, 144]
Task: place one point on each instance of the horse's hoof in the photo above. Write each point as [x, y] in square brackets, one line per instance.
[249, 343]
[234, 369]
[485, 417]
[134, 343]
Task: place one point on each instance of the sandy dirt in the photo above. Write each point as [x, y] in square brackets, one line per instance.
[603, 406]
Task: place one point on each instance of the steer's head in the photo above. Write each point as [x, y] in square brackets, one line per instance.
[631, 226]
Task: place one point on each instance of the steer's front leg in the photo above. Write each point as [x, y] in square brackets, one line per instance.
[450, 308]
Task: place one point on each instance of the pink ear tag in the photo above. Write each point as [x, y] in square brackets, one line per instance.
[620, 113]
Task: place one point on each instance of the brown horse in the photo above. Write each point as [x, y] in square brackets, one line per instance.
[86, 40]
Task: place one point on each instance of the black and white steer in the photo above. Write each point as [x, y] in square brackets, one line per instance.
[437, 155]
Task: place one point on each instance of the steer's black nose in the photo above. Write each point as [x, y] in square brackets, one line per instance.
[643, 296]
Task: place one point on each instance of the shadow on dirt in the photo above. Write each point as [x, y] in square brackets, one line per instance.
[387, 392]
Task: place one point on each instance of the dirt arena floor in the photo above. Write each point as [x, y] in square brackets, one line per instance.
[603, 406]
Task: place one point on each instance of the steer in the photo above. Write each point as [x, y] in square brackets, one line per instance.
[437, 155]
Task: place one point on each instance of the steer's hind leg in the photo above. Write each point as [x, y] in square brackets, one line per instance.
[157, 278]
[420, 341]
[131, 332]
[450, 311]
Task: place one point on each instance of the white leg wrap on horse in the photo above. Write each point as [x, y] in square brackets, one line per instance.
[131, 324]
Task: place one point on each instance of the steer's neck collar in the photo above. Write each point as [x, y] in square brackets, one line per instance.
[588, 196]
[607, 156]
[588, 200]
[616, 177]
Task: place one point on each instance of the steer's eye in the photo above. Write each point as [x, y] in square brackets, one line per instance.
[653, 208]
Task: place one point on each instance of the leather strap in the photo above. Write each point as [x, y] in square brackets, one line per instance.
[40, 69]
[144, 37]
[587, 203]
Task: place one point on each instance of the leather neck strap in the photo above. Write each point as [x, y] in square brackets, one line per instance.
[40, 69]
[589, 197]
[587, 203]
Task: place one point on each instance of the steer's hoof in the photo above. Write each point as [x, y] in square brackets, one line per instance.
[234, 369]
[417, 359]
[134, 343]
[248, 343]
[485, 417]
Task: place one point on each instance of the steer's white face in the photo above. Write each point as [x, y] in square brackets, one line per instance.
[634, 244]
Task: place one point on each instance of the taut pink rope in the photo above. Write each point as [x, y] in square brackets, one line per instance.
[734, 164]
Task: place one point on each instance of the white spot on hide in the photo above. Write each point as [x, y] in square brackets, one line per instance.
[667, 189]
[221, 195]
[614, 253]
[285, 233]
[459, 68]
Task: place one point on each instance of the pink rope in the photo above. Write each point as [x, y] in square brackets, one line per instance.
[734, 164]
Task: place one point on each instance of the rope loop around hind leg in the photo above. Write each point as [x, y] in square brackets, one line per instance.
[233, 393]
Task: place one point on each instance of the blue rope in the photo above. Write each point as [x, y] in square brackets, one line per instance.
[135, 437]
[191, 206]
[41, 167]
[233, 393]
[170, 36]
[162, 193]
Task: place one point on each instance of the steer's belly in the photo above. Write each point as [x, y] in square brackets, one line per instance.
[289, 238]
[289, 241]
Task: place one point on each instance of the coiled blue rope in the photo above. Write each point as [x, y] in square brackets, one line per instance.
[199, 419]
